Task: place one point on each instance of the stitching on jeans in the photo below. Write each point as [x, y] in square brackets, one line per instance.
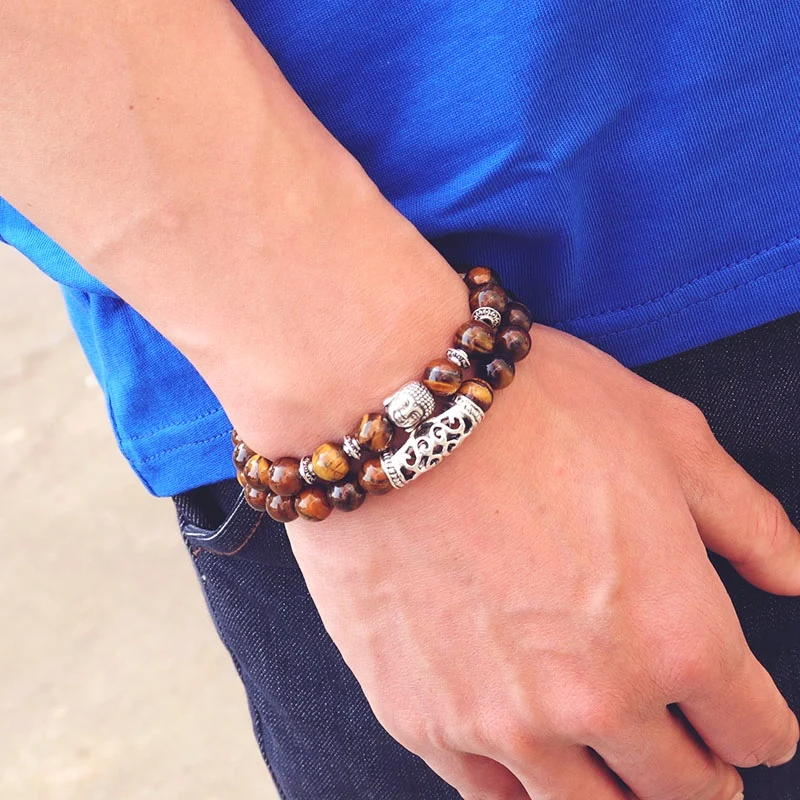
[696, 303]
[247, 539]
[222, 528]
[715, 271]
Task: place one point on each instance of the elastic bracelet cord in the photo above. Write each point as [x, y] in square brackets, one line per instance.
[340, 475]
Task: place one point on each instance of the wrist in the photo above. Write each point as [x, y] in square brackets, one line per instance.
[496, 335]
[334, 353]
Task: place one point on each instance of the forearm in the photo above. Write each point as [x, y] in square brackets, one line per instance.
[160, 146]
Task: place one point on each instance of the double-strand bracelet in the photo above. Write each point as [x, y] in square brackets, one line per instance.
[339, 475]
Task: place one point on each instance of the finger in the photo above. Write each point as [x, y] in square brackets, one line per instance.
[739, 519]
[743, 717]
[663, 760]
[476, 777]
[567, 773]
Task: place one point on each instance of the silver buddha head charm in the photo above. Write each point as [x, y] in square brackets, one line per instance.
[410, 405]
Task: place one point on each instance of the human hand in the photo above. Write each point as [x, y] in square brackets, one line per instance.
[545, 597]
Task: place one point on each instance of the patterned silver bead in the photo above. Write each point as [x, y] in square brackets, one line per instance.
[410, 405]
[351, 446]
[491, 316]
[306, 470]
[458, 357]
[431, 442]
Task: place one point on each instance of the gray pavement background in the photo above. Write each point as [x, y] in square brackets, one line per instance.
[113, 685]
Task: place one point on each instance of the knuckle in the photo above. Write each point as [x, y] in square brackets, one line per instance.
[692, 420]
[414, 731]
[509, 735]
[704, 782]
[691, 664]
[771, 746]
[698, 456]
[768, 524]
[596, 718]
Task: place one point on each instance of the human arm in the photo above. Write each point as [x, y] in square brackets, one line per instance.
[232, 222]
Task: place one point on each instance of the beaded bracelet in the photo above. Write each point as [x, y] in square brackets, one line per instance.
[339, 475]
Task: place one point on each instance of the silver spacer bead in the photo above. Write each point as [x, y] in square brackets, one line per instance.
[351, 446]
[458, 357]
[491, 316]
[410, 405]
[306, 470]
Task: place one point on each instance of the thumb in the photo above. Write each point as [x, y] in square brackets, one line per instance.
[743, 522]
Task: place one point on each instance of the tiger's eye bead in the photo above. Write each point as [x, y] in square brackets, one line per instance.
[513, 344]
[497, 372]
[235, 438]
[490, 297]
[240, 478]
[256, 498]
[281, 509]
[375, 432]
[481, 277]
[346, 495]
[284, 476]
[479, 392]
[372, 478]
[256, 472]
[312, 504]
[475, 337]
[330, 462]
[241, 455]
[442, 377]
[518, 315]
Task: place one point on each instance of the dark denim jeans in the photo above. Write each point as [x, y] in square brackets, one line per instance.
[314, 726]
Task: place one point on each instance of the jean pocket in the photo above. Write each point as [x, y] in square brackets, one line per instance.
[217, 519]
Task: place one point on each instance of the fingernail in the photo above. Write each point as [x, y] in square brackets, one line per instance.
[739, 796]
[784, 759]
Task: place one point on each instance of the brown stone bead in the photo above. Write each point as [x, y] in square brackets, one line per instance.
[375, 432]
[241, 455]
[256, 472]
[489, 297]
[284, 476]
[235, 438]
[346, 495]
[518, 315]
[497, 372]
[512, 344]
[240, 478]
[481, 277]
[372, 478]
[330, 462]
[280, 508]
[479, 392]
[256, 498]
[442, 377]
[312, 504]
[475, 337]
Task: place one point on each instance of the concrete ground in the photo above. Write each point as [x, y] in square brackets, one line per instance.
[113, 685]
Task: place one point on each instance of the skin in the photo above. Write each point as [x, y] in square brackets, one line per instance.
[536, 617]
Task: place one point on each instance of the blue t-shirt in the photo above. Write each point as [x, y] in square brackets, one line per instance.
[632, 170]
